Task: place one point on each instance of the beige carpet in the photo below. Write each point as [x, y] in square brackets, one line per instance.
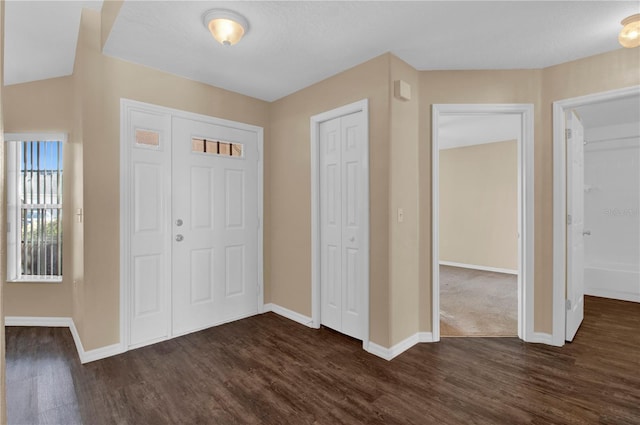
[477, 303]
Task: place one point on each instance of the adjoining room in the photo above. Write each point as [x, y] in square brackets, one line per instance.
[479, 199]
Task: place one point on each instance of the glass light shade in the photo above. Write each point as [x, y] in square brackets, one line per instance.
[226, 31]
[630, 33]
[225, 26]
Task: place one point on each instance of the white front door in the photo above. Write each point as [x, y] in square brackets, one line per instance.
[190, 222]
[215, 224]
[575, 224]
[342, 206]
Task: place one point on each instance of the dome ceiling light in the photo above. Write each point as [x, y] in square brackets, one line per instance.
[630, 33]
[226, 26]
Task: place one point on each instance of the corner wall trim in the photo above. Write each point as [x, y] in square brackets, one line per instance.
[477, 267]
[541, 338]
[66, 322]
[399, 348]
[289, 314]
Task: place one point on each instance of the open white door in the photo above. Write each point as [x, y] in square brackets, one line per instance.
[575, 225]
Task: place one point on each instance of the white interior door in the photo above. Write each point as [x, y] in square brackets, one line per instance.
[575, 224]
[342, 206]
[149, 271]
[214, 223]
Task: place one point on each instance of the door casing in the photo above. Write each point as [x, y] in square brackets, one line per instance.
[525, 210]
[360, 106]
[126, 106]
[560, 170]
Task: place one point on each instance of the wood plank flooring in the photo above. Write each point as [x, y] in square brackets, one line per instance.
[269, 370]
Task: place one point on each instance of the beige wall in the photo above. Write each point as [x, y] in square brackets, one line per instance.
[403, 193]
[290, 187]
[43, 106]
[608, 71]
[104, 81]
[108, 15]
[479, 205]
[518, 86]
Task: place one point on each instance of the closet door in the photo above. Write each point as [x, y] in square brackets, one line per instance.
[342, 205]
[214, 224]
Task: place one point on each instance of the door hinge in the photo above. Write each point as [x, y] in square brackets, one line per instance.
[568, 304]
[258, 155]
[567, 133]
[568, 218]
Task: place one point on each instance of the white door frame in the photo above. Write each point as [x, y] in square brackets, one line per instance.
[560, 170]
[316, 120]
[525, 209]
[126, 106]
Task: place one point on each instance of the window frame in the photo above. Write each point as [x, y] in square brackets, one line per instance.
[13, 207]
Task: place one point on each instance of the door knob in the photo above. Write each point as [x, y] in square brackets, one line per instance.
[586, 233]
[178, 222]
[352, 239]
[179, 238]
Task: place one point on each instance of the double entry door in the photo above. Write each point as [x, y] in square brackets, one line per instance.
[193, 219]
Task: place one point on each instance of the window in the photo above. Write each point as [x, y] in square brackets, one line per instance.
[34, 207]
[216, 147]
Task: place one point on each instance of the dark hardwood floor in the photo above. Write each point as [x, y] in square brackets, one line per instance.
[269, 370]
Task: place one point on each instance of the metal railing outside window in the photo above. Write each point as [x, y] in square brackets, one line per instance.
[40, 209]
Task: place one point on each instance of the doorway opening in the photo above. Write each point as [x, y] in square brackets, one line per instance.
[468, 254]
[340, 220]
[479, 224]
[596, 240]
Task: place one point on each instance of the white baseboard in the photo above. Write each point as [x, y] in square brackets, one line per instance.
[289, 314]
[611, 283]
[95, 354]
[425, 337]
[476, 267]
[49, 322]
[616, 295]
[399, 348]
[541, 338]
[66, 322]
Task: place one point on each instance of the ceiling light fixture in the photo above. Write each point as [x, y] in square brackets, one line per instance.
[630, 33]
[226, 26]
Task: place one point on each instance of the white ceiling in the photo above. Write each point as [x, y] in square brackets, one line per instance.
[40, 38]
[293, 44]
[455, 131]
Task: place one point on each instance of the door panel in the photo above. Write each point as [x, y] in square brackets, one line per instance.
[342, 203]
[150, 250]
[331, 225]
[575, 237]
[353, 206]
[214, 264]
